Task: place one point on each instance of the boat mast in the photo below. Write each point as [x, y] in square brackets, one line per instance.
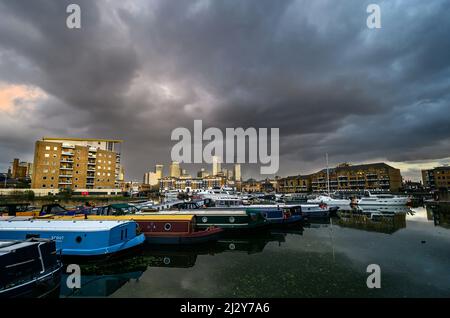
[328, 175]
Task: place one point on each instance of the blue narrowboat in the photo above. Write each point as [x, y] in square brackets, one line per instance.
[278, 216]
[80, 238]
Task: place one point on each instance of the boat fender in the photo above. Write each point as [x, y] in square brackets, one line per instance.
[167, 227]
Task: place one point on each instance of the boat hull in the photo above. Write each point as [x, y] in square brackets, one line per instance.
[44, 285]
[198, 237]
[77, 238]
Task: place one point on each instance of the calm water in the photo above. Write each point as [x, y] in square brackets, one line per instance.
[327, 259]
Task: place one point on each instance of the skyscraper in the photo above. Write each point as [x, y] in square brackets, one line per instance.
[159, 169]
[216, 168]
[174, 169]
[237, 172]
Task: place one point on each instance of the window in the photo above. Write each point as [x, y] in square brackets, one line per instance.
[76, 179]
[98, 173]
[46, 155]
[54, 156]
[109, 174]
[44, 178]
[55, 148]
[99, 161]
[43, 185]
[52, 178]
[47, 147]
[51, 186]
[45, 171]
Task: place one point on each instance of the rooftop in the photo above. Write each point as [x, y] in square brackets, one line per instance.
[82, 139]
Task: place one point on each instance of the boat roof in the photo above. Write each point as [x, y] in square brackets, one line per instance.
[131, 217]
[201, 212]
[59, 225]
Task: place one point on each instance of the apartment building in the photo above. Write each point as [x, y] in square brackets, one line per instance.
[345, 177]
[294, 184]
[76, 163]
[437, 178]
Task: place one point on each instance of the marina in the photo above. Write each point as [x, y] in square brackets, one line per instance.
[326, 259]
[305, 257]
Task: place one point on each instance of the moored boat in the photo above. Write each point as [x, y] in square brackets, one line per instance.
[78, 238]
[29, 268]
[279, 216]
[229, 220]
[383, 199]
[330, 201]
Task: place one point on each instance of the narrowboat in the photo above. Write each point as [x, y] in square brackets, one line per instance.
[316, 211]
[29, 268]
[278, 217]
[80, 238]
[16, 209]
[229, 220]
[162, 229]
[57, 209]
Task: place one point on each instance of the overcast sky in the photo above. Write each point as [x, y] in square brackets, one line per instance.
[138, 69]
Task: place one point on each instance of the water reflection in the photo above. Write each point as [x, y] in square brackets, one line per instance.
[439, 214]
[374, 219]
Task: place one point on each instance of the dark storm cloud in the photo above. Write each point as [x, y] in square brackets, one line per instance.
[138, 69]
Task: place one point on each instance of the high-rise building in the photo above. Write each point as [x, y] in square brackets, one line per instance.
[216, 165]
[174, 169]
[159, 170]
[237, 172]
[202, 173]
[151, 178]
[76, 163]
[230, 174]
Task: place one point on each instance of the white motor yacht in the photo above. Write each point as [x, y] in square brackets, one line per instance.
[383, 199]
[330, 201]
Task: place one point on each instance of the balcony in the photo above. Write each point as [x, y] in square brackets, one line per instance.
[68, 146]
[67, 160]
[67, 153]
[65, 176]
[65, 182]
[65, 168]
